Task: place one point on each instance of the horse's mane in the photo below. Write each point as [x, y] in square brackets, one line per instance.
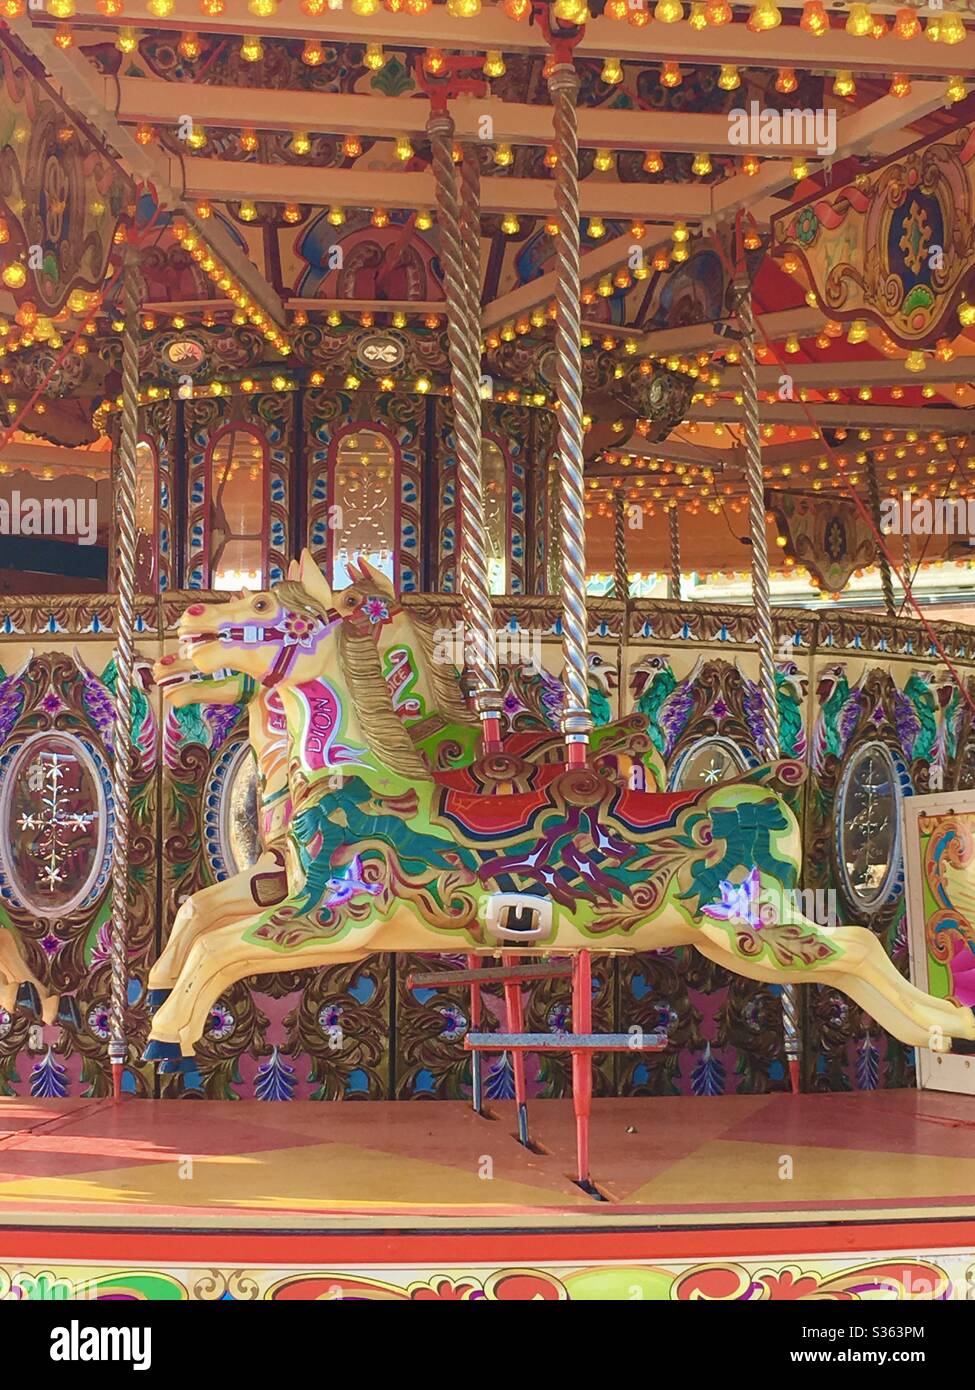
[362, 675]
[444, 678]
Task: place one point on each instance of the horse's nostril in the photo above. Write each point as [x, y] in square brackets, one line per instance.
[196, 609]
[167, 661]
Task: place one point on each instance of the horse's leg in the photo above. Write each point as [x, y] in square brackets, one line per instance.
[855, 963]
[211, 908]
[218, 960]
[15, 972]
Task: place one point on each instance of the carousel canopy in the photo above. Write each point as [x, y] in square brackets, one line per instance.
[272, 163]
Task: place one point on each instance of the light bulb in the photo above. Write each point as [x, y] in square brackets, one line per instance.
[668, 11]
[955, 90]
[596, 228]
[494, 65]
[906, 24]
[859, 21]
[900, 85]
[701, 164]
[671, 75]
[844, 85]
[301, 142]
[612, 73]
[728, 78]
[765, 15]
[815, 18]
[603, 160]
[653, 162]
[335, 216]
[786, 80]
[251, 49]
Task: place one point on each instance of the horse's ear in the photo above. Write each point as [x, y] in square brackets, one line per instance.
[313, 581]
[375, 577]
[294, 570]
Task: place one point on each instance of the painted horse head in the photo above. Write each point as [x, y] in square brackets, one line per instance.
[312, 646]
[273, 635]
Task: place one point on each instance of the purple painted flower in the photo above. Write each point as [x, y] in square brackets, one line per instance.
[329, 1017]
[719, 709]
[559, 1017]
[221, 1023]
[51, 703]
[51, 944]
[878, 715]
[376, 610]
[454, 1021]
[98, 1021]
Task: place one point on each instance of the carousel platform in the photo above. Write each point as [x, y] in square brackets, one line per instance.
[749, 1197]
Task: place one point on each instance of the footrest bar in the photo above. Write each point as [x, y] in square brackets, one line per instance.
[541, 971]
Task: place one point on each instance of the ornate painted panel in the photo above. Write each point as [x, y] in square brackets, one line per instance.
[252, 437]
[505, 461]
[57, 823]
[331, 417]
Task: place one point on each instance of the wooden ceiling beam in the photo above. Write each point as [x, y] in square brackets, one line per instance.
[853, 415]
[139, 99]
[491, 29]
[222, 180]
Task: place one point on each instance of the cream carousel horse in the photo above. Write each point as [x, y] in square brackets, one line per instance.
[391, 859]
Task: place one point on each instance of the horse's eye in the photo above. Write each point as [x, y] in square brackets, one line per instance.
[261, 605]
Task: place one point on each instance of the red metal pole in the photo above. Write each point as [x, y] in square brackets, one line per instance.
[477, 1081]
[516, 1024]
[582, 1061]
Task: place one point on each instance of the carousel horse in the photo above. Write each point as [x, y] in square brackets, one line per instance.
[393, 859]
[427, 697]
[266, 881]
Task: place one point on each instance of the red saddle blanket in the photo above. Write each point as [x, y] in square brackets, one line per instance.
[482, 813]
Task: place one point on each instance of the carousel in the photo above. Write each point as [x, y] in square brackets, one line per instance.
[485, 600]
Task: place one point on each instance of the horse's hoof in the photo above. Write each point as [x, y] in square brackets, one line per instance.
[161, 1051]
[68, 1014]
[155, 998]
[29, 1000]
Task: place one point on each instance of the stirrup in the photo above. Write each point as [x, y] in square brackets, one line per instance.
[513, 917]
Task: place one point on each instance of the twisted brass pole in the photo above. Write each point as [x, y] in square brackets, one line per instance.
[762, 593]
[124, 665]
[674, 553]
[886, 577]
[563, 86]
[621, 579]
[463, 338]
